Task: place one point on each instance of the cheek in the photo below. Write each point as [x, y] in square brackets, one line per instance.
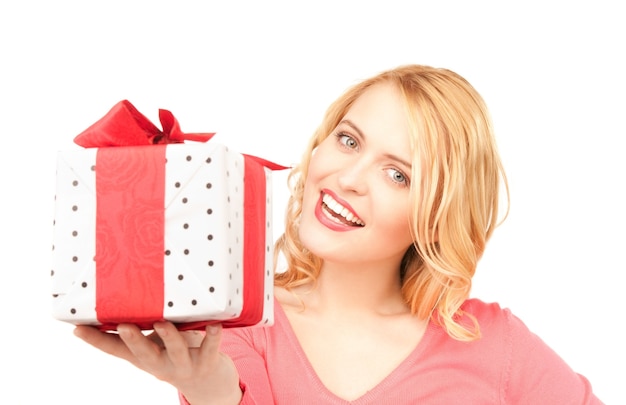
[318, 169]
[310, 194]
[397, 222]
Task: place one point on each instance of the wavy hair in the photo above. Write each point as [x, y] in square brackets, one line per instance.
[454, 203]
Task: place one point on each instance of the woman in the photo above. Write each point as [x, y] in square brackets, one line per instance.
[391, 208]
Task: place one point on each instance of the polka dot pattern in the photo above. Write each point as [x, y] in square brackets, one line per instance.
[200, 193]
[204, 220]
[73, 275]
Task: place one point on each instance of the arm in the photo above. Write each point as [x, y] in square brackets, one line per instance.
[538, 375]
[247, 349]
[191, 363]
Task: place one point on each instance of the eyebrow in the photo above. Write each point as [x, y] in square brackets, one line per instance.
[362, 135]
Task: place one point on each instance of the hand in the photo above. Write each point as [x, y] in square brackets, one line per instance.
[188, 360]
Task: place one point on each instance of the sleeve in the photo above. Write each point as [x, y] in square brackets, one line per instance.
[246, 348]
[537, 375]
[183, 400]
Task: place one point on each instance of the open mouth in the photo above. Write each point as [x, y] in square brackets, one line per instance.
[339, 213]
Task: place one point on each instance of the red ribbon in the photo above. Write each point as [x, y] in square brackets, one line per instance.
[124, 125]
[130, 219]
[130, 224]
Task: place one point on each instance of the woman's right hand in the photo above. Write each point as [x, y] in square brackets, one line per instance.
[190, 360]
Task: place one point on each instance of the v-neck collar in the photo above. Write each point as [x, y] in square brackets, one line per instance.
[376, 391]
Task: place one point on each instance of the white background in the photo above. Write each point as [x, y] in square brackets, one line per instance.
[261, 74]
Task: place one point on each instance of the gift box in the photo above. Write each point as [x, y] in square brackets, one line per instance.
[157, 225]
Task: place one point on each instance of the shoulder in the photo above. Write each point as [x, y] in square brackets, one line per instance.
[498, 325]
[480, 308]
[493, 318]
[487, 314]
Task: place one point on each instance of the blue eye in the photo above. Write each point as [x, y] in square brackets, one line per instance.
[398, 177]
[347, 141]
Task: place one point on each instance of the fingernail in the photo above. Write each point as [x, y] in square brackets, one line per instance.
[160, 329]
[213, 329]
[123, 331]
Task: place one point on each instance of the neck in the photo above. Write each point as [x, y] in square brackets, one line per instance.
[345, 289]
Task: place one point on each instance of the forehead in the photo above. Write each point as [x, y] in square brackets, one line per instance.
[379, 95]
[381, 112]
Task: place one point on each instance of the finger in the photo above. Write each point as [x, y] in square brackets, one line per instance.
[109, 343]
[140, 346]
[193, 338]
[209, 349]
[174, 342]
[156, 339]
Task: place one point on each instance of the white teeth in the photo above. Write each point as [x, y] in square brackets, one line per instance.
[339, 209]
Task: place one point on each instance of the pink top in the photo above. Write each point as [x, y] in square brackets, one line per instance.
[508, 365]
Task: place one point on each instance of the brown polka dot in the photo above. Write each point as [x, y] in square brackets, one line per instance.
[211, 289]
[188, 158]
[170, 304]
[180, 277]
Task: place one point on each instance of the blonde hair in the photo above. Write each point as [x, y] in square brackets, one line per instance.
[454, 203]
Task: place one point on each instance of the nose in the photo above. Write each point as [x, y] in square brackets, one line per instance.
[353, 177]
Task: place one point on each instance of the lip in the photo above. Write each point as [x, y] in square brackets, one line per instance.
[324, 220]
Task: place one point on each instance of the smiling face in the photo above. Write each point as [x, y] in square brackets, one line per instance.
[356, 197]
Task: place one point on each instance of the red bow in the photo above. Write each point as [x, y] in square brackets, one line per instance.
[124, 125]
